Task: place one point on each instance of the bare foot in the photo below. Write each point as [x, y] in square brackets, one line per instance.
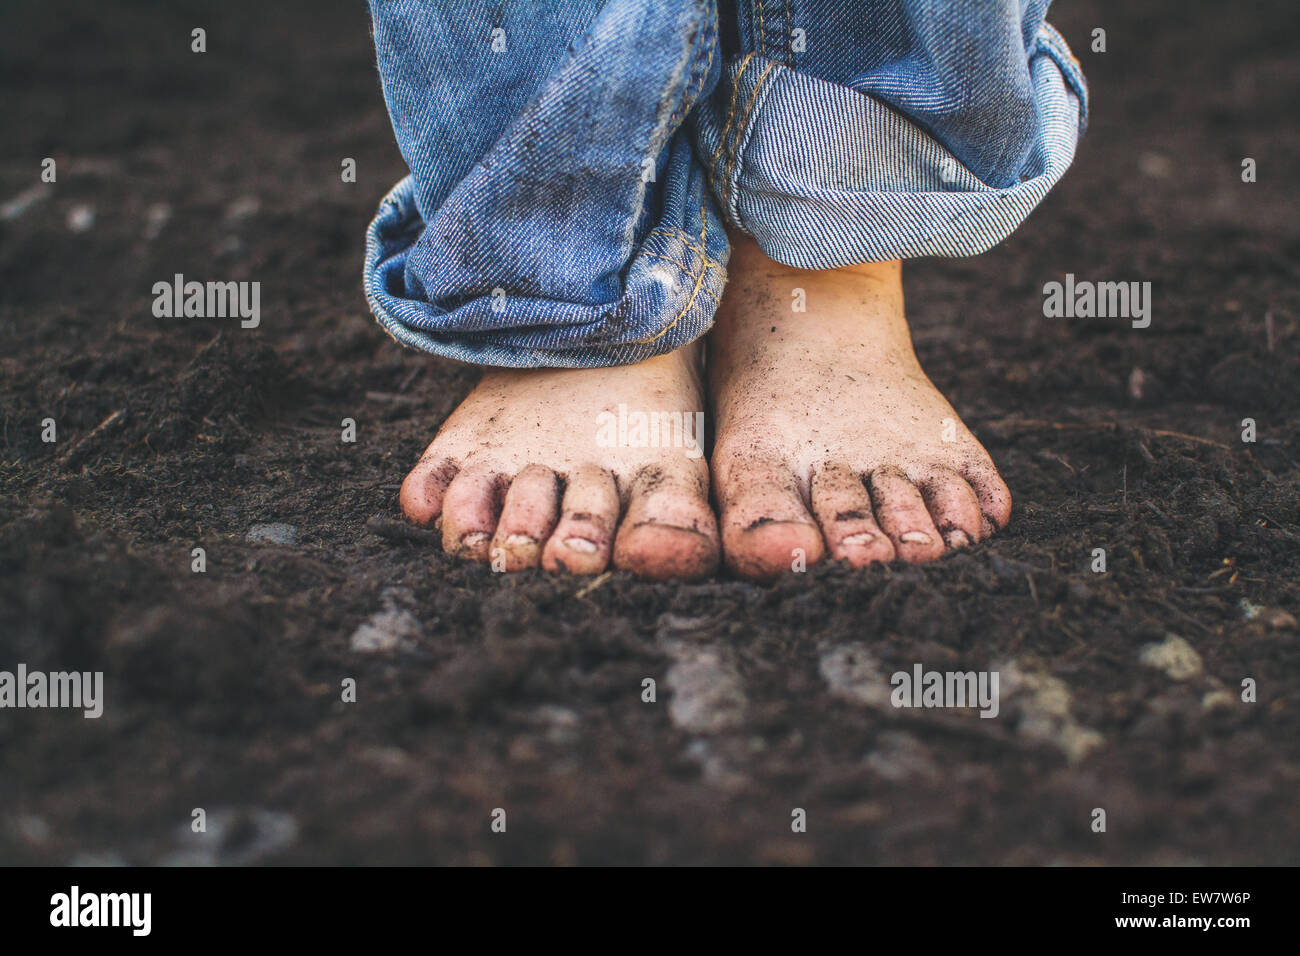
[538, 467]
[830, 437]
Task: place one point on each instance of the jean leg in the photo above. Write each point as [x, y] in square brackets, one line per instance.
[555, 214]
[852, 132]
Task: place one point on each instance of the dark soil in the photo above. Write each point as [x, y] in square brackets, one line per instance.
[524, 692]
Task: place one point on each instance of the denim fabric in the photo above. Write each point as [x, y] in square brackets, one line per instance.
[573, 162]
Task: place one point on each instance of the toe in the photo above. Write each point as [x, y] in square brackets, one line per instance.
[902, 514]
[469, 513]
[668, 530]
[953, 507]
[843, 509]
[423, 489]
[766, 526]
[993, 495]
[527, 518]
[583, 539]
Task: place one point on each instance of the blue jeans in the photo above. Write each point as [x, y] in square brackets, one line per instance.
[575, 163]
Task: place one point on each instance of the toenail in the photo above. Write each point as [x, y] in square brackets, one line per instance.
[914, 537]
[520, 541]
[862, 537]
[956, 538]
[580, 544]
[474, 539]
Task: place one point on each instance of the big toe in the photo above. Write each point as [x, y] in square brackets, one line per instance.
[668, 530]
[766, 528]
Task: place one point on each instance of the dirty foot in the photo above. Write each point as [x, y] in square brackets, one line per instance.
[831, 440]
[555, 468]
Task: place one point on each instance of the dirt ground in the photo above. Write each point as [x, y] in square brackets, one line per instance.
[475, 691]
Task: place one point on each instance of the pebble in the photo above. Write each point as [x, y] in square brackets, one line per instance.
[243, 208]
[1274, 617]
[1043, 704]
[273, 533]
[385, 631]
[81, 218]
[853, 674]
[32, 828]
[899, 756]
[155, 219]
[1218, 700]
[707, 694]
[1174, 656]
[390, 628]
[233, 838]
[561, 723]
[1154, 165]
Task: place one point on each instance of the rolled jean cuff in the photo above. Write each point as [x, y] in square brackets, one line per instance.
[670, 292]
[822, 175]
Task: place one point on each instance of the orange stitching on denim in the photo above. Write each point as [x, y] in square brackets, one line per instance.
[762, 31]
[699, 282]
[731, 112]
[682, 236]
[735, 153]
[699, 85]
[674, 262]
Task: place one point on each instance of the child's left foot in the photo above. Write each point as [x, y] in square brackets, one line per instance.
[830, 437]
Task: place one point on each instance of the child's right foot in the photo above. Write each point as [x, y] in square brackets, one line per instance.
[517, 475]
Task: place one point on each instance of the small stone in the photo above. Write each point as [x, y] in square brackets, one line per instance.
[561, 723]
[229, 246]
[1154, 165]
[1218, 700]
[899, 756]
[32, 828]
[1276, 618]
[707, 694]
[155, 219]
[273, 533]
[390, 628]
[385, 631]
[81, 218]
[1042, 702]
[1174, 656]
[1137, 380]
[234, 837]
[853, 674]
[243, 208]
